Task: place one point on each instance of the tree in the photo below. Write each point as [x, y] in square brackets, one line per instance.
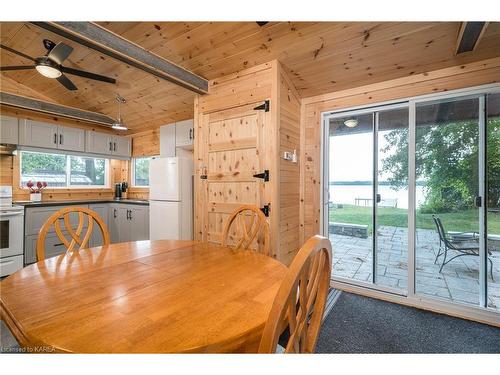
[447, 159]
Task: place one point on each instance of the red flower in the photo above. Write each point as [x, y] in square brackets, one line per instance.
[30, 184]
[44, 184]
[39, 185]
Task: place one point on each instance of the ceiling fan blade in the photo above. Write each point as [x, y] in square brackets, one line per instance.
[19, 67]
[60, 53]
[82, 73]
[66, 82]
[16, 52]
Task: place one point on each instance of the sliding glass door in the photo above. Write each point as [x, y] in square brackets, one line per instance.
[368, 196]
[447, 219]
[412, 203]
[391, 195]
[350, 196]
[492, 216]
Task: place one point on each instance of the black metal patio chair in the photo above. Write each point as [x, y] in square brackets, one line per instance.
[463, 243]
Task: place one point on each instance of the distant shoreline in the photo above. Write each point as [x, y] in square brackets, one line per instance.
[367, 183]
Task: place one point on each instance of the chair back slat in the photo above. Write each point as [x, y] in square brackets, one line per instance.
[247, 228]
[77, 239]
[301, 299]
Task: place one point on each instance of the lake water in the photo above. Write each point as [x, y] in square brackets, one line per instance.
[347, 194]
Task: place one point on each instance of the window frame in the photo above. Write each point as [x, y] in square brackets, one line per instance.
[132, 171]
[107, 171]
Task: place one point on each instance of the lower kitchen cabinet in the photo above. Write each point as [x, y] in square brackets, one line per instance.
[128, 222]
[125, 222]
[103, 211]
[53, 247]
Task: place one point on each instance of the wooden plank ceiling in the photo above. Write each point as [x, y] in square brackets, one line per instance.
[320, 57]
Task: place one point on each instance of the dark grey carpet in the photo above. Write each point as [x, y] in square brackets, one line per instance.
[358, 324]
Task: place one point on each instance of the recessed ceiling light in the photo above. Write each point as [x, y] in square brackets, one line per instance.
[351, 123]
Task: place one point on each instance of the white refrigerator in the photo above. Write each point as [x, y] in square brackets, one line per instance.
[171, 198]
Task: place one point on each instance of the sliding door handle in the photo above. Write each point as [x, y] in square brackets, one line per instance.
[478, 202]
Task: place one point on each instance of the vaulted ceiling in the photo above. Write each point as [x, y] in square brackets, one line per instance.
[320, 57]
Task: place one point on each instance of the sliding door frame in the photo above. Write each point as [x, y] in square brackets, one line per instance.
[473, 312]
[324, 149]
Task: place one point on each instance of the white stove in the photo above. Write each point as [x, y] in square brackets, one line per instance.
[11, 233]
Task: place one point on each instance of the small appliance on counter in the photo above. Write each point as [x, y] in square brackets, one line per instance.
[11, 233]
[121, 190]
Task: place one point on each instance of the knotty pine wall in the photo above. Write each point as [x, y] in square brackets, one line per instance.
[467, 75]
[265, 81]
[289, 184]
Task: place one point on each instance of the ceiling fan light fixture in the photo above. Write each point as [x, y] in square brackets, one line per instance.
[48, 71]
[351, 123]
[47, 68]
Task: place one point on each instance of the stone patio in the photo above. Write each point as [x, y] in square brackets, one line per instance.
[458, 282]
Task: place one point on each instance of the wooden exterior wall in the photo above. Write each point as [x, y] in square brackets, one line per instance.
[467, 75]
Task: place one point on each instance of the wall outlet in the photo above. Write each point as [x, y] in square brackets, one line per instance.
[291, 156]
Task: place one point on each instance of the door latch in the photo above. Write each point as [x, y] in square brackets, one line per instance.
[379, 198]
[203, 176]
[264, 175]
[265, 209]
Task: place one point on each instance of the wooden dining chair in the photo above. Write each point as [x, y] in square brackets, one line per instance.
[77, 240]
[300, 302]
[247, 228]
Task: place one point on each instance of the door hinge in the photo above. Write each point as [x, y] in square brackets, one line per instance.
[264, 175]
[264, 106]
[265, 209]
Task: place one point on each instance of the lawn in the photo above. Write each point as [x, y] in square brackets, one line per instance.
[464, 221]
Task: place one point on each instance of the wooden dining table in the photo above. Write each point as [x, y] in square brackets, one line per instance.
[143, 297]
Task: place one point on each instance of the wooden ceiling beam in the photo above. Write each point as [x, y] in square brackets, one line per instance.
[37, 105]
[469, 36]
[106, 42]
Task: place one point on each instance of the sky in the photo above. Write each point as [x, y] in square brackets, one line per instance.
[351, 157]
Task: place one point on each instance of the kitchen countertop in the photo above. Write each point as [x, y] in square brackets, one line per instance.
[83, 201]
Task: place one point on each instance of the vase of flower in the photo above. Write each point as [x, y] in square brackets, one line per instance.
[36, 190]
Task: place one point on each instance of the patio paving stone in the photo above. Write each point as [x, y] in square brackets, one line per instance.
[458, 280]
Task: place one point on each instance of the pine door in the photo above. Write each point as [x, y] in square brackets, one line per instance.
[236, 148]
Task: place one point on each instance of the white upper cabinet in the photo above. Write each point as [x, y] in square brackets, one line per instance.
[98, 143]
[184, 133]
[108, 144]
[47, 135]
[9, 128]
[38, 134]
[167, 140]
[122, 146]
[72, 139]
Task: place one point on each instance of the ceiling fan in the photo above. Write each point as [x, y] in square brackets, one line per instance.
[50, 65]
